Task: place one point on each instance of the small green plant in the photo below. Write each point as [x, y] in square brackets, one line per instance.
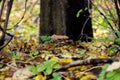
[36, 53]
[15, 55]
[117, 41]
[56, 76]
[80, 11]
[82, 52]
[1, 66]
[112, 50]
[111, 75]
[102, 74]
[47, 39]
[46, 68]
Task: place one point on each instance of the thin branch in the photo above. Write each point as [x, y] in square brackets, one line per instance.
[9, 7]
[15, 26]
[118, 11]
[111, 15]
[86, 62]
[2, 7]
[2, 38]
[106, 20]
[82, 31]
[0, 1]
[11, 36]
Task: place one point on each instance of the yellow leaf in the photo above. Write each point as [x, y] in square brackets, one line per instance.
[2, 75]
[55, 58]
[9, 78]
[102, 56]
[88, 77]
[65, 61]
[74, 68]
[39, 77]
[64, 51]
[83, 68]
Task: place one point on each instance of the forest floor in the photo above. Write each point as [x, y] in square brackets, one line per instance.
[56, 59]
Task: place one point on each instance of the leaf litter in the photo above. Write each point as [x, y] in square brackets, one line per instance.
[20, 54]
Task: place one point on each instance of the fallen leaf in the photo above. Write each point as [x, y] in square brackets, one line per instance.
[65, 61]
[113, 66]
[59, 36]
[22, 74]
[88, 77]
[39, 77]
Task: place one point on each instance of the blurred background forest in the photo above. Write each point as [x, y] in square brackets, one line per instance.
[26, 13]
[24, 50]
[29, 25]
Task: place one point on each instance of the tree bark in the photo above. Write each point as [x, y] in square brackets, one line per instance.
[59, 17]
[52, 17]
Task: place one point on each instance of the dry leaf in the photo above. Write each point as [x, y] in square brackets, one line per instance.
[65, 61]
[113, 66]
[22, 74]
[59, 36]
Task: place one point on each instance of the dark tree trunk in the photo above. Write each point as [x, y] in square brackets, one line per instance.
[59, 17]
[52, 17]
[79, 27]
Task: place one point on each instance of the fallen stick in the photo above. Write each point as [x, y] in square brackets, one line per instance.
[87, 62]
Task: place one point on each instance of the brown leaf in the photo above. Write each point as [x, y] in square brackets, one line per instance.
[22, 74]
[59, 36]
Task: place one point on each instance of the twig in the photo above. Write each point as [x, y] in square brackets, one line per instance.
[11, 36]
[9, 7]
[87, 62]
[0, 1]
[82, 31]
[118, 11]
[91, 69]
[110, 13]
[2, 40]
[16, 25]
[1, 10]
[107, 21]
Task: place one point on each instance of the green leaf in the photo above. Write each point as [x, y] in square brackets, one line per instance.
[16, 56]
[56, 76]
[56, 66]
[118, 33]
[11, 53]
[102, 74]
[34, 72]
[33, 69]
[45, 38]
[113, 76]
[48, 70]
[112, 50]
[40, 68]
[117, 76]
[78, 13]
[49, 63]
[117, 41]
[82, 51]
[1, 66]
[110, 74]
[36, 53]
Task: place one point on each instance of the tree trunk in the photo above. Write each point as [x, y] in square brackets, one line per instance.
[59, 17]
[52, 17]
